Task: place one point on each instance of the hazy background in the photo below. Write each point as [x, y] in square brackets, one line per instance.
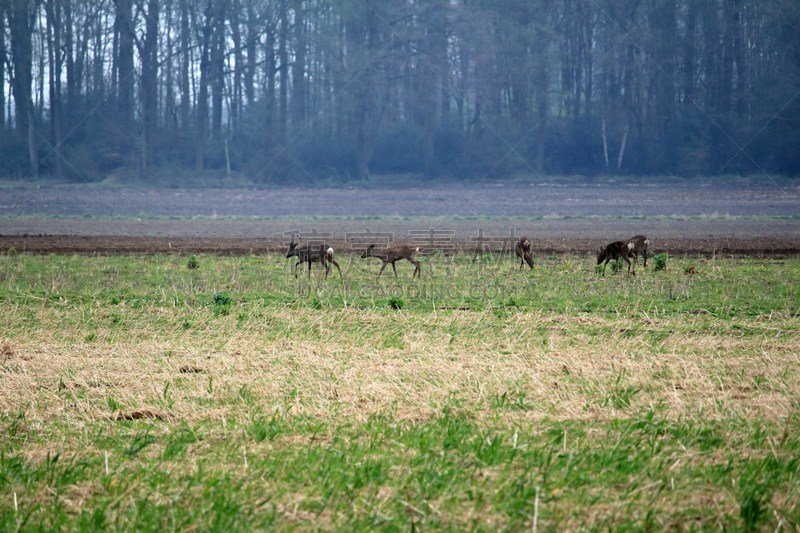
[310, 92]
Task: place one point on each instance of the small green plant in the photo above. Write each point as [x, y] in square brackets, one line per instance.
[752, 508]
[12, 251]
[395, 302]
[660, 262]
[222, 304]
[113, 404]
[222, 299]
[263, 428]
[690, 269]
[193, 263]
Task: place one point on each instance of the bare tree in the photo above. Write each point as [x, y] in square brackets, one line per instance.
[21, 20]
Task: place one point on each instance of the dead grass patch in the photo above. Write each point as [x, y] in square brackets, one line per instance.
[334, 364]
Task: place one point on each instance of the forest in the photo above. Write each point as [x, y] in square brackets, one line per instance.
[310, 91]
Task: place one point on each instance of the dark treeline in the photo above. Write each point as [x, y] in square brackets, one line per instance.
[287, 90]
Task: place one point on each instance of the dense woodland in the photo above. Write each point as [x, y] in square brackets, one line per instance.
[279, 91]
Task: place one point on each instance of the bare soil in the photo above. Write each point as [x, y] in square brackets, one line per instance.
[739, 219]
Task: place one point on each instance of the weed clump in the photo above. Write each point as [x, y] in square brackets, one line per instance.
[193, 263]
[660, 262]
[395, 302]
[222, 304]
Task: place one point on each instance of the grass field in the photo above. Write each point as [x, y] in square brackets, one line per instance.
[139, 393]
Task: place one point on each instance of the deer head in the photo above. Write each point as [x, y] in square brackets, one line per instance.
[368, 251]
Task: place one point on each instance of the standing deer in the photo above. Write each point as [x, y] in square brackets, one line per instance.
[523, 250]
[394, 254]
[615, 250]
[640, 244]
[323, 255]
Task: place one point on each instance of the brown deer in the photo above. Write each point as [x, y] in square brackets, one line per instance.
[308, 255]
[523, 250]
[640, 244]
[615, 250]
[394, 254]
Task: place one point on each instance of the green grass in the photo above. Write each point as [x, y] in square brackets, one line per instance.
[139, 393]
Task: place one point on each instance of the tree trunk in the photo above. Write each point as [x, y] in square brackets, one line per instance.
[3, 59]
[55, 60]
[252, 42]
[183, 83]
[125, 73]
[689, 55]
[217, 68]
[432, 72]
[299, 94]
[202, 90]
[20, 22]
[149, 90]
[283, 69]
[238, 69]
[73, 85]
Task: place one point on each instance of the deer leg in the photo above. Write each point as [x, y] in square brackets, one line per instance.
[332, 260]
[631, 264]
[645, 258]
[394, 268]
[295, 267]
[417, 269]
[384, 266]
[604, 265]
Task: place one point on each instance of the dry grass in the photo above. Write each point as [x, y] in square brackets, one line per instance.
[565, 371]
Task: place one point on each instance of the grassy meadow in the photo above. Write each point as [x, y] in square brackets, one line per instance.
[175, 392]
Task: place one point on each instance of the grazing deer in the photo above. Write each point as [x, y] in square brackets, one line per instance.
[323, 255]
[394, 254]
[615, 250]
[640, 244]
[523, 250]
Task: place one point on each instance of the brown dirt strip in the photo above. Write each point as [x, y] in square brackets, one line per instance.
[772, 247]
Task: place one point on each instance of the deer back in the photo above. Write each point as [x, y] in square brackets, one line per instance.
[615, 250]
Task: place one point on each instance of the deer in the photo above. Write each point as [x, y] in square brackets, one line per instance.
[615, 250]
[640, 244]
[523, 251]
[323, 255]
[394, 254]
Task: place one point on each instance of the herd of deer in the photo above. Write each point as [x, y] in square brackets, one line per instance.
[627, 250]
